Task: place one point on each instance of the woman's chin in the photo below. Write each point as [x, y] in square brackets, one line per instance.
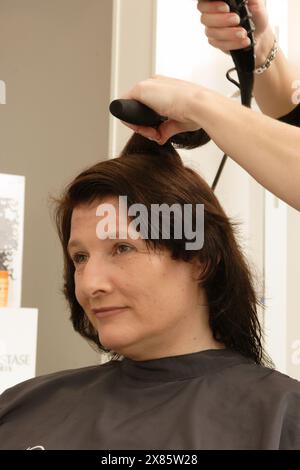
[113, 343]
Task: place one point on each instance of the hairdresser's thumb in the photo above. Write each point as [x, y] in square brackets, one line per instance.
[169, 128]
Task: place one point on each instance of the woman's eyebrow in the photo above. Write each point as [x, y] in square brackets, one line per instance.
[109, 236]
[73, 243]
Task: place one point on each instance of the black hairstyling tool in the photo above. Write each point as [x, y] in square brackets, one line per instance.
[136, 113]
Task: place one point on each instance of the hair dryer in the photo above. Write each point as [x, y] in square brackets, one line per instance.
[134, 112]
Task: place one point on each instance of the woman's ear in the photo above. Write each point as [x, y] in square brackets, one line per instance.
[197, 270]
[201, 269]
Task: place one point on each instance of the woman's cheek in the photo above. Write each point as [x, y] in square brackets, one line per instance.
[78, 294]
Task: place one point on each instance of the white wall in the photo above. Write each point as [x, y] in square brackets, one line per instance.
[133, 48]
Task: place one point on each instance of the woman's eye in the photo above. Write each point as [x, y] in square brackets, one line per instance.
[78, 258]
[123, 248]
[81, 258]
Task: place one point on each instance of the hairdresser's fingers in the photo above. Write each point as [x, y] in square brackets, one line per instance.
[151, 93]
[220, 20]
[169, 128]
[166, 130]
[207, 6]
[213, 19]
[149, 132]
[223, 27]
[226, 46]
[215, 14]
[167, 96]
[163, 133]
[226, 34]
[227, 39]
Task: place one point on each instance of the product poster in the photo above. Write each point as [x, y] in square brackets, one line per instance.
[12, 190]
[17, 352]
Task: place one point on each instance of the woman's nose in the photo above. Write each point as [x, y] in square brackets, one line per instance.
[97, 278]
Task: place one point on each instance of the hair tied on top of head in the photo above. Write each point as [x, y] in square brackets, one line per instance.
[140, 145]
[190, 140]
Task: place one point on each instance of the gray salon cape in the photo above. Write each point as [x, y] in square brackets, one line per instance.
[213, 399]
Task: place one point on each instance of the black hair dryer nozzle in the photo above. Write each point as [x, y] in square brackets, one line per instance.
[136, 113]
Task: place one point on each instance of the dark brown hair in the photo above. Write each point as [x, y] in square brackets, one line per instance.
[148, 173]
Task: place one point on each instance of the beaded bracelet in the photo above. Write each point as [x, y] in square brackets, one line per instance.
[262, 68]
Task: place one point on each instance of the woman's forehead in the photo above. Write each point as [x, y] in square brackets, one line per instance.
[102, 218]
[95, 211]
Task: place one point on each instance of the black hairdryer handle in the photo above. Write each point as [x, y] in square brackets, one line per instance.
[244, 59]
[134, 112]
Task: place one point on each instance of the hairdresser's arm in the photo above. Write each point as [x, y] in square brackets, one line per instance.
[268, 149]
[273, 89]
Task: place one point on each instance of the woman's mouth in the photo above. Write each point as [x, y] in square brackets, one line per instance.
[108, 312]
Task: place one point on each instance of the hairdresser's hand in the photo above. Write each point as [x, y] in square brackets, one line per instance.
[169, 97]
[222, 28]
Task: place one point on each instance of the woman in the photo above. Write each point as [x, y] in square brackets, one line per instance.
[188, 370]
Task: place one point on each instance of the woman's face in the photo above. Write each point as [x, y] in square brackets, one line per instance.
[164, 312]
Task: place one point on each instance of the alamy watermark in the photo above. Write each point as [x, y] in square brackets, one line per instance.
[2, 92]
[183, 219]
[295, 358]
[296, 93]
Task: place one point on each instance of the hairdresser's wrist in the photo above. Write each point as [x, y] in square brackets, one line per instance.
[263, 46]
[202, 107]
